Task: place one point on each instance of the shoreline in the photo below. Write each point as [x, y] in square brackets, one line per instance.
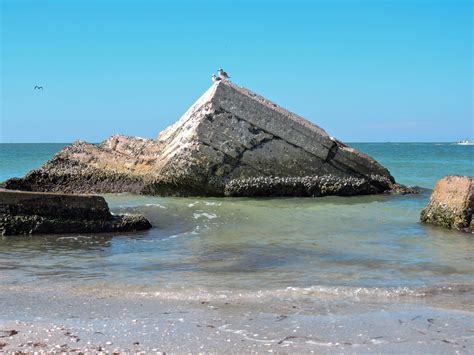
[98, 320]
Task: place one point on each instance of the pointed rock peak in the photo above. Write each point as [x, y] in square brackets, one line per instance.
[237, 122]
[240, 100]
[244, 107]
[230, 94]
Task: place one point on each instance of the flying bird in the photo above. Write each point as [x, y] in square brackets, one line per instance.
[223, 75]
[215, 79]
[38, 87]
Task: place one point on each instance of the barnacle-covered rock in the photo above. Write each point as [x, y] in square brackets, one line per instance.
[451, 204]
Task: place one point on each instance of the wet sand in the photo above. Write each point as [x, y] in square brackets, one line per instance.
[97, 320]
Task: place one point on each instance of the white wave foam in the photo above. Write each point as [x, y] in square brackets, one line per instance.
[75, 237]
[155, 205]
[194, 231]
[204, 214]
[316, 292]
[213, 203]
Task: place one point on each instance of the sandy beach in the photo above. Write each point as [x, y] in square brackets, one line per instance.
[90, 320]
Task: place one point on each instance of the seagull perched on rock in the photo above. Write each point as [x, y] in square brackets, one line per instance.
[223, 75]
[38, 87]
[215, 79]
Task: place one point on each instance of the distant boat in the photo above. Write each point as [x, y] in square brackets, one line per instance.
[465, 142]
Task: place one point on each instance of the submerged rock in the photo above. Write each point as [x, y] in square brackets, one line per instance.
[47, 213]
[451, 204]
[231, 142]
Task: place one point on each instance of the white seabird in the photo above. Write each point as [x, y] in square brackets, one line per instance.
[215, 79]
[223, 75]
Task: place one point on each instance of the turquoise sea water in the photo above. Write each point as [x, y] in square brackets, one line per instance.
[368, 244]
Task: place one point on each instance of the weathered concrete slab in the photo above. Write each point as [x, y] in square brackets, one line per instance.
[47, 213]
[229, 135]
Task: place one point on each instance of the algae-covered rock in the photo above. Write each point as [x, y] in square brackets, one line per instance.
[451, 204]
[47, 213]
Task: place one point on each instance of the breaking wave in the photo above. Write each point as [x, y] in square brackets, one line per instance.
[315, 292]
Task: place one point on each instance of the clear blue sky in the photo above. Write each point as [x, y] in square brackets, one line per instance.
[362, 70]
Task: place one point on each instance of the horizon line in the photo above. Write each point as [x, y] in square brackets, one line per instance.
[347, 142]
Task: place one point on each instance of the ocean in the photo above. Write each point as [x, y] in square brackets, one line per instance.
[337, 256]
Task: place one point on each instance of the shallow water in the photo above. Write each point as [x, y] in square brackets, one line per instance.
[332, 247]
